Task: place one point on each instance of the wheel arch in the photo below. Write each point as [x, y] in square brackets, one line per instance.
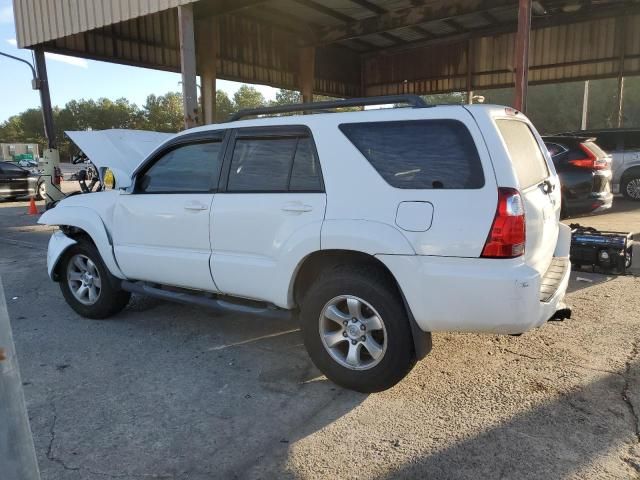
[313, 264]
[76, 223]
[631, 171]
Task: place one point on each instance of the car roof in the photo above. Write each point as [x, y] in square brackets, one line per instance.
[373, 115]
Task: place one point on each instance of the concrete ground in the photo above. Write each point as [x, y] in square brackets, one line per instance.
[175, 392]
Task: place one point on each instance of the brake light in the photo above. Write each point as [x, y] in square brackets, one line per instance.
[507, 235]
[591, 161]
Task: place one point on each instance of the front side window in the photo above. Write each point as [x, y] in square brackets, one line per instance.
[191, 168]
[274, 164]
[419, 154]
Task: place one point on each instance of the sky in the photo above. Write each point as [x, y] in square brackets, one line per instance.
[75, 78]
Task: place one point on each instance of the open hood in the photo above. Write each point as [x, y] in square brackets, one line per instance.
[119, 150]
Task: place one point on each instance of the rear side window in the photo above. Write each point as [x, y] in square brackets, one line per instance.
[524, 151]
[555, 149]
[632, 140]
[276, 164]
[419, 154]
[609, 141]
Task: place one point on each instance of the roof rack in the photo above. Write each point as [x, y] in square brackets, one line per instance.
[414, 101]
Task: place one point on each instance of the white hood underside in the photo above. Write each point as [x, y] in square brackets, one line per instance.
[117, 149]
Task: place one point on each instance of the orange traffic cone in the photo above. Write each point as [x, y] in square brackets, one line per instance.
[33, 210]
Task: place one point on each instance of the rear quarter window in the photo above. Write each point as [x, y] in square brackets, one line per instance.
[419, 154]
[527, 158]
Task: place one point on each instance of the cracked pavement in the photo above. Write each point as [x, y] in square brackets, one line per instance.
[173, 392]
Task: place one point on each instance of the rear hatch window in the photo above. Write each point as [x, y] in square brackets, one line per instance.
[524, 151]
[419, 154]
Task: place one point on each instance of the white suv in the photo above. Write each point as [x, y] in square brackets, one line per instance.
[378, 227]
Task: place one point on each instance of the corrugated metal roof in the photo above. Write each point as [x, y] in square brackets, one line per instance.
[363, 47]
[39, 21]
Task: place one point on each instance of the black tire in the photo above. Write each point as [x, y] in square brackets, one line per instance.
[371, 285]
[111, 299]
[624, 186]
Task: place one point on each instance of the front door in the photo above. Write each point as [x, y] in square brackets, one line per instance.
[269, 211]
[161, 229]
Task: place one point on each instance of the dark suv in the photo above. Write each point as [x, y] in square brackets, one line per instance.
[585, 174]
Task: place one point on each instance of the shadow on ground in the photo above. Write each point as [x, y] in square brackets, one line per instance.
[555, 440]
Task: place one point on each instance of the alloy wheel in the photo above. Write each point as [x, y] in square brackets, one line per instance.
[633, 188]
[84, 279]
[353, 332]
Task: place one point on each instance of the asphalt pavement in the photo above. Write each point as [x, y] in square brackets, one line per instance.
[170, 391]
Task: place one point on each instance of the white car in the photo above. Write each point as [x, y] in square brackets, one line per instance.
[378, 227]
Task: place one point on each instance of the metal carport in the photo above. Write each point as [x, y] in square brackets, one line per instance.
[345, 48]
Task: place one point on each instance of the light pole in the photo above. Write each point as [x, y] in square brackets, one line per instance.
[51, 156]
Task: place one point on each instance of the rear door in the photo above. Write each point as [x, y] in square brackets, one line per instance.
[268, 212]
[539, 187]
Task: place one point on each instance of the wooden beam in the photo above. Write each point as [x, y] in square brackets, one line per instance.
[318, 7]
[522, 55]
[204, 9]
[454, 24]
[188, 65]
[208, 45]
[307, 67]
[372, 7]
[489, 17]
[621, 31]
[402, 18]
[594, 13]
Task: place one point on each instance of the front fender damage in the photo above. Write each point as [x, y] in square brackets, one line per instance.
[88, 221]
[58, 243]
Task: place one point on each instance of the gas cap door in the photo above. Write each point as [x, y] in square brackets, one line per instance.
[414, 216]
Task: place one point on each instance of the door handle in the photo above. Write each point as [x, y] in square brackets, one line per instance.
[296, 207]
[195, 206]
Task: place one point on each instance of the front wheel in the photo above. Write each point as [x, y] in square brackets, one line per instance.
[87, 285]
[356, 329]
[631, 187]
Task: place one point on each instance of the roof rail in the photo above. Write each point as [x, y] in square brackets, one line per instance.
[411, 100]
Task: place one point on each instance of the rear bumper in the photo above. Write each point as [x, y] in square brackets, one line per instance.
[596, 202]
[480, 295]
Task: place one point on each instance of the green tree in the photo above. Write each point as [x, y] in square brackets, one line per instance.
[163, 113]
[248, 97]
[224, 106]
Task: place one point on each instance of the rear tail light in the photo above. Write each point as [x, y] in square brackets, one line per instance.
[507, 235]
[591, 161]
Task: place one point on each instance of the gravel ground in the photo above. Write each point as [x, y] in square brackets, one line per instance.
[168, 391]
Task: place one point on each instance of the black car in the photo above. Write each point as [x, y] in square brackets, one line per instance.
[623, 144]
[585, 174]
[16, 181]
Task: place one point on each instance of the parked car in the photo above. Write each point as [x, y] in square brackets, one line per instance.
[585, 174]
[16, 181]
[378, 227]
[624, 146]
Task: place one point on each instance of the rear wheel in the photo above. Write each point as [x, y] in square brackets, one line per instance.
[631, 186]
[356, 329]
[87, 285]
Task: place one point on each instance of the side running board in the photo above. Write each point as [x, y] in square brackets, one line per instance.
[212, 302]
